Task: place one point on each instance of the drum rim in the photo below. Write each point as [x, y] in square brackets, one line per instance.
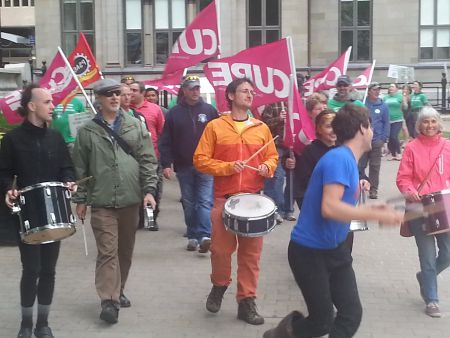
[25, 234]
[251, 234]
[42, 185]
[257, 218]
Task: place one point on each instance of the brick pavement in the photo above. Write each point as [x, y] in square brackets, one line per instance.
[168, 286]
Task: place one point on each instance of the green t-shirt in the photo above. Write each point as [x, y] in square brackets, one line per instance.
[418, 100]
[394, 103]
[61, 118]
[335, 105]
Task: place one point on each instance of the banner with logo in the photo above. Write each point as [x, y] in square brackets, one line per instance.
[58, 79]
[199, 41]
[268, 66]
[83, 62]
[327, 78]
[363, 80]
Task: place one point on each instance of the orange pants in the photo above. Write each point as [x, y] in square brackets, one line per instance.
[223, 245]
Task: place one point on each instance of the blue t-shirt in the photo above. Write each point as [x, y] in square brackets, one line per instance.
[312, 230]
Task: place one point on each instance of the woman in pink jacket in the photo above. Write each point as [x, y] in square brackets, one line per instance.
[426, 163]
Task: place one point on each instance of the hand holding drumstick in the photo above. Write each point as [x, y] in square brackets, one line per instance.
[262, 169]
[11, 195]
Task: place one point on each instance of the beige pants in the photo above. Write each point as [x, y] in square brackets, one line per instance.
[114, 231]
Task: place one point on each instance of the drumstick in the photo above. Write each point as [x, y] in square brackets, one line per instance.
[250, 167]
[83, 180]
[260, 149]
[14, 183]
[84, 237]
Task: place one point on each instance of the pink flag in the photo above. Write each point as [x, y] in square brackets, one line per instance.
[198, 42]
[9, 105]
[299, 128]
[58, 79]
[268, 66]
[327, 78]
[171, 83]
[363, 81]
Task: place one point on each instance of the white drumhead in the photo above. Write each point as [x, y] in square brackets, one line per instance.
[249, 205]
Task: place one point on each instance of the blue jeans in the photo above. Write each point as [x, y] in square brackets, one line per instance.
[431, 264]
[394, 143]
[273, 187]
[197, 198]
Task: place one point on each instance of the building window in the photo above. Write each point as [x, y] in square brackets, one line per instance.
[169, 21]
[263, 22]
[133, 32]
[201, 4]
[77, 16]
[434, 30]
[355, 25]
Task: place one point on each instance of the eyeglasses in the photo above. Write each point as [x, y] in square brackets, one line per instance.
[110, 93]
[192, 78]
[247, 92]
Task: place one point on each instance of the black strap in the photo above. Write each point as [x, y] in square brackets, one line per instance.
[120, 141]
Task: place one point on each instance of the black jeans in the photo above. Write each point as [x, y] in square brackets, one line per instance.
[38, 272]
[326, 278]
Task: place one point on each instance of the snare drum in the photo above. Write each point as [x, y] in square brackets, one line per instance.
[437, 212]
[249, 215]
[45, 214]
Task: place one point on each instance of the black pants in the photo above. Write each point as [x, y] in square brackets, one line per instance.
[38, 272]
[326, 278]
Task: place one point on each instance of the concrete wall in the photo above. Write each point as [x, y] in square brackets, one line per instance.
[17, 16]
[48, 30]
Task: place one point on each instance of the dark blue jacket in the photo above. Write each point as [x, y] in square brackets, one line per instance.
[182, 130]
[379, 114]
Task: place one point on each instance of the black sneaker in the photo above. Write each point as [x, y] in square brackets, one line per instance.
[124, 301]
[43, 332]
[215, 297]
[110, 312]
[248, 313]
[25, 332]
[153, 227]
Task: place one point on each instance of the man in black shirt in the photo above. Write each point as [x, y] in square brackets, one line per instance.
[35, 154]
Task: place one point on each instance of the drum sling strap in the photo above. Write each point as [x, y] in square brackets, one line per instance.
[120, 141]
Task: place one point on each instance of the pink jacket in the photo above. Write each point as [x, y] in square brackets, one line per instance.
[418, 157]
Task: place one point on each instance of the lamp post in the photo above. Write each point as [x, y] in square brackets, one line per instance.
[31, 62]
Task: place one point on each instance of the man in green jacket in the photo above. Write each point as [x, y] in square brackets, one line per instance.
[343, 95]
[121, 182]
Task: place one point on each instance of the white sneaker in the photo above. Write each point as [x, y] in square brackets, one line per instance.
[204, 245]
[433, 310]
[192, 245]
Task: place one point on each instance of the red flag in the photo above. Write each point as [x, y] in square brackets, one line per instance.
[83, 62]
[267, 65]
[299, 128]
[171, 83]
[327, 78]
[58, 80]
[9, 105]
[365, 78]
[198, 42]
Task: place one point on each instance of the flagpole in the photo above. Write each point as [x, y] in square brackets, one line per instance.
[369, 80]
[348, 52]
[76, 79]
[219, 33]
[293, 86]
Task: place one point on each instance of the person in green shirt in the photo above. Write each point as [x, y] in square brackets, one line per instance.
[418, 101]
[393, 101]
[60, 120]
[342, 97]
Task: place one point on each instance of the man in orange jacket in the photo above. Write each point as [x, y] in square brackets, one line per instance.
[224, 146]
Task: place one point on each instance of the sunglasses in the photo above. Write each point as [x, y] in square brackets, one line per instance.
[110, 93]
[128, 78]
